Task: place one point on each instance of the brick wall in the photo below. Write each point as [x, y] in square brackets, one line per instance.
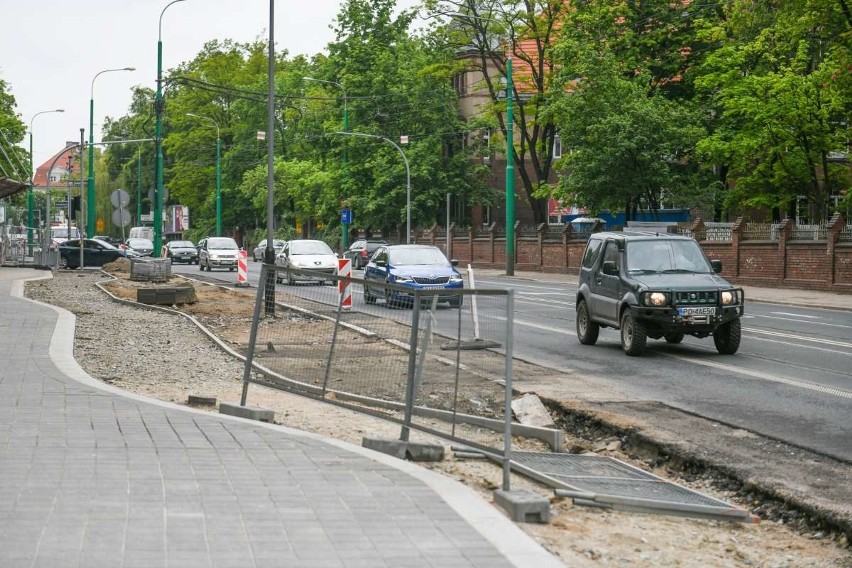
[815, 265]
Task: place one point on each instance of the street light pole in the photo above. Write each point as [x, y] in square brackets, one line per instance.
[510, 173]
[345, 226]
[407, 179]
[90, 188]
[30, 196]
[218, 173]
[158, 139]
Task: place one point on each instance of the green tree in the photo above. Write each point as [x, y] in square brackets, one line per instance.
[780, 86]
[491, 31]
[625, 148]
[13, 156]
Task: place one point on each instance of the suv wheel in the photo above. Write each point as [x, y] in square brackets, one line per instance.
[368, 297]
[200, 266]
[587, 330]
[727, 337]
[634, 336]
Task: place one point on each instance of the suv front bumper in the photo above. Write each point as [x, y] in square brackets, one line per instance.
[686, 318]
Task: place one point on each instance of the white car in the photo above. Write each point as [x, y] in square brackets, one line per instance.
[218, 252]
[314, 256]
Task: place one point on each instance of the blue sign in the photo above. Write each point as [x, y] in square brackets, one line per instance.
[346, 216]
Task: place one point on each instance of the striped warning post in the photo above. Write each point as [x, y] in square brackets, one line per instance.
[344, 269]
[242, 269]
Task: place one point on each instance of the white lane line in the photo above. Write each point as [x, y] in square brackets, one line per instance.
[799, 337]
[765, 376]
[795, 315]
[800, 346]
[805, 322]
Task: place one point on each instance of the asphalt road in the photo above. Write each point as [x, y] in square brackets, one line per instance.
[790, 381]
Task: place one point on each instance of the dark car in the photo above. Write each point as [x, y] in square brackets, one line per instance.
[421, 267]
[142, 246]
[95, 253]
[182, 251]
[260, 249]
[655, 285]
[360, 252]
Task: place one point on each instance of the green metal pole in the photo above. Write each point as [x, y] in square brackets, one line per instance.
[345, 237]
[218, 185]
[510, 175]
[30, 200]
[90, 187]
[158, 141]
[139, 188]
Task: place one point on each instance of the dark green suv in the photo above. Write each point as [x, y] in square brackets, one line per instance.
[655, 285]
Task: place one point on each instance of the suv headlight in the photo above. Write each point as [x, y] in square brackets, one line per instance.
[729, 297]
[456, 278]
[403, 279]
[656, 299]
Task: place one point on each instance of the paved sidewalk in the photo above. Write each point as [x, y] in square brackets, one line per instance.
[793, 297]
[93, 476]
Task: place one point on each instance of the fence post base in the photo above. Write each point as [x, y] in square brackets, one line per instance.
[524, 506]
[413, 451]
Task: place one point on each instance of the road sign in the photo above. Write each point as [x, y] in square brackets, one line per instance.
[119, 198]
[120, 217]
[99, 225]
[346, 216]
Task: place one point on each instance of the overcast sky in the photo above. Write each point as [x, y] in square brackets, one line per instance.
[50, 51]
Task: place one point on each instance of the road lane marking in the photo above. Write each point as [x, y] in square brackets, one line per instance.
[794, 315]
[765, 376]
[807, 322]
[799, 337]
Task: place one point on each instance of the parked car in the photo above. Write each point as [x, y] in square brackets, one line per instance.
[260, 249]
[95, 253]
[143, 246]
[360, 251]
[182, 251]
[414, 266]
[304, 254]
[107, 239]
[218, 252]
[60, 233]
[655, 285]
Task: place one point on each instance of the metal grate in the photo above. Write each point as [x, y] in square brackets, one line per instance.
[696, 297]
[439, 280]
[607, 482]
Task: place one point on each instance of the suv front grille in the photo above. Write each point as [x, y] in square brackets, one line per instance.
[696, 297]
[439, 280]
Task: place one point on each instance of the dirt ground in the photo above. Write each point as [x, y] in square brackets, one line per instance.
[579, 536]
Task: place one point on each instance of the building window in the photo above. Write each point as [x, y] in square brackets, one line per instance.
[54, 178]
[460, 83]
[557, 147]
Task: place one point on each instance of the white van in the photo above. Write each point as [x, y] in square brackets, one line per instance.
[141, 233]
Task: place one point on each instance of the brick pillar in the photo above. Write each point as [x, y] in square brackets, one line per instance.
[835, 226]
[736, 237]
[783, 238]
[698, 231]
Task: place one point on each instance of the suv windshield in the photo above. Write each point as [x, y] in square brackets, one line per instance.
[181, 244]
[666, 256]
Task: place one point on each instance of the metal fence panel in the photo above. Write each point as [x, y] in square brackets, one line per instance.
[450, 383]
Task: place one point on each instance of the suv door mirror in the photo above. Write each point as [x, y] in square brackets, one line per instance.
[609, 268]
[717, 266]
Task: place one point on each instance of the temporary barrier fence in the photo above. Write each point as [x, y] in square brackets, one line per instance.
[413, 361]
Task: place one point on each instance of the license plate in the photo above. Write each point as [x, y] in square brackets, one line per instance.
[702, 311]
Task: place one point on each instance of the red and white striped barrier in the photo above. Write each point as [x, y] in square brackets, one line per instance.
[344, 269]
[242, 269]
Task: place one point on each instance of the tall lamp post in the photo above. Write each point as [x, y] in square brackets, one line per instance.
[407, 179]
[158, 139]
[218, 173]
[30, 197]
[90, 187]
[510, 173]
[345, 237]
